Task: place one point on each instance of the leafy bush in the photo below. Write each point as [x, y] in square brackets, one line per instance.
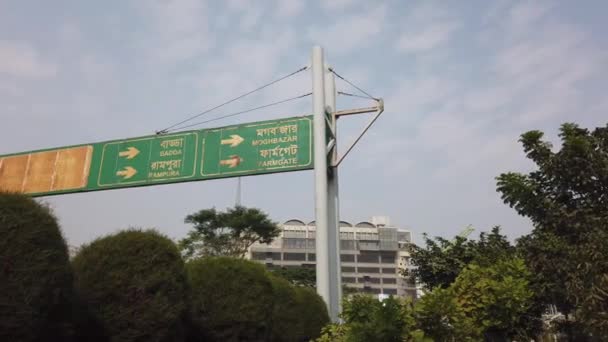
[373, 320]
[493, 302]
[134, 284]
[36, 280]
[232, 299]
[285, 315]
[366, 319]
[313, 313]
[438, 315]
[495, 298]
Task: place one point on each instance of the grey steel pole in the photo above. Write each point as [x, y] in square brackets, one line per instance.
[320, 158]
[333, 233]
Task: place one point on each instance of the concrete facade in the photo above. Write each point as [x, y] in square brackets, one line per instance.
[372, 254]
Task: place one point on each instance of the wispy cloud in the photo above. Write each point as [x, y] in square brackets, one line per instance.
[182, 28]
[427, 38]
[337, 4]
[289, 8]
[21, 59]
[426, 27]
[348, 33]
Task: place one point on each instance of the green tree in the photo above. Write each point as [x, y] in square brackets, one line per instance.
[441, 260]
[312, 311]
[366, 319]
[229, 233]
[35, 276]
[498, 299]
[285, 313]
[495, 303]
[232, 300]
[436, 312]
[297, 275]
[134, 285]
[566, 198]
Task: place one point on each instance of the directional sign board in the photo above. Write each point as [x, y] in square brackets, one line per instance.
[254, 148]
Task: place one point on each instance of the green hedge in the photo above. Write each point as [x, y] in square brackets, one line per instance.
[134, 285]
[312, 312]
[35, 276]
[231, 300]
[285, 313]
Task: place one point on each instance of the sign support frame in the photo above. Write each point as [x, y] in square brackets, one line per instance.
[333, 233]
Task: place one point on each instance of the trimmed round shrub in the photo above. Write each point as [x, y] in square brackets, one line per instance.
[285, 315]
[134, 285]
[312, 312]
[232, 300]
[35, 277]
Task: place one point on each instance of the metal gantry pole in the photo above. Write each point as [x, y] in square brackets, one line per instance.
[321, 179]
[333, 234]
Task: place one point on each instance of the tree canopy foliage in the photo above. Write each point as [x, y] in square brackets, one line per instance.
[366, 319]
[134, 285]
[566, 198]
[238, 300]
[228, 233]
[440, 261]
[491, 302]
[35, 276]
[232, 299]
[297, 275]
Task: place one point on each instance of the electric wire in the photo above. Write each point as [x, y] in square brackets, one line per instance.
[353, 95]
[238, 113]
[353, 85]
[170, 128]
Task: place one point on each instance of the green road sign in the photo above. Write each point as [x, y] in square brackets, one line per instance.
[240, 150]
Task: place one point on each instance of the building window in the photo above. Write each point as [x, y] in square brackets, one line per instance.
[311, 243]
[347, 258]
[390, 291]
[294, 233]
[389, 281]
[312, 257]
[367, 236]
[369, 245]
[350, 280]
[389, 270]
[293, 243]
[347, 235]
[404, 236]
[369, 280]
[273, 255]
[369, 270]
[348, 245]
[294, 256]
[348, 269]
[372, 258]
[258, 255]
[388, 259]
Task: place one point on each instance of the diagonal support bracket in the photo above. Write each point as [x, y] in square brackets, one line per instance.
[379, 109]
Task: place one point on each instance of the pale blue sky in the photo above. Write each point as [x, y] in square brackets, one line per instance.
[461, 81]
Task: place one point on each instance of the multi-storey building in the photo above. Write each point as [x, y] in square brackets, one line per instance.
[372, 254]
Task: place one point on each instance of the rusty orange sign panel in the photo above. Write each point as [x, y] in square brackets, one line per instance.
[46, 171]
